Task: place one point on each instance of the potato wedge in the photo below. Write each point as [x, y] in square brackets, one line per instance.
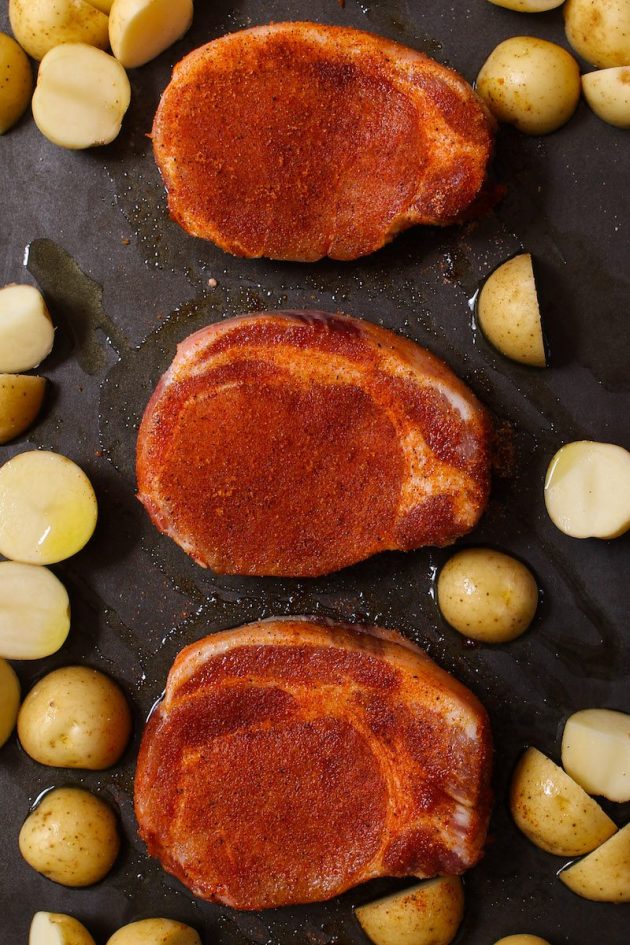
[603, 876]
[608, 94]
[81, 96]
[48, 508]
[587, 490]
[40, 25]
[427, 914]
[16, 82]
[553, 811]
[599, 30]
[53, 928]
[26, 329]
[139, 30]
[34, 612]
[508, 312]
[528, 6]
[153, 931]
[596, 752]
[522, 940]
[9, 700]
[21, 397]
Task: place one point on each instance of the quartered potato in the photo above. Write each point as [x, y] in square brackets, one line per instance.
[139, 30]
[81, 97]
[26, 329]
[530, 83]
[522, 940]
[34, 612]
[16, 82]
[155, 932]
[21, 397]
[40, 25]
[9, 700]
[528, 6]
[587, 490]
[53, 928]
[47, 508]
[71, 837]
[604, 875]
[599, 30]
[428, 914]
[553, 811]
[75, 717]
[508, 312]
[608, 94]
[596, 752]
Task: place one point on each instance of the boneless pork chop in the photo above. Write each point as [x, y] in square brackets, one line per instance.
[297, 141]
[297, 443]
[293, 759]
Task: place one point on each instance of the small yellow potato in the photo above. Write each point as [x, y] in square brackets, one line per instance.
[522, 940]
[596, 752]
[487, 595]
[155, 932]
[75, 717]
[16, 82]
[530, 83]
[103, 5]
[604, 875]
[71, 837]
[81, 97]
[427, 914]
[587, 490]
[9, 700]
[21, 397]
[139, 30]
[599, 30]
[528, 6]
[608, 94]
[508, 312]
[53, 928]
[48, 508]
[553, 811]
[34, 612]
[40, 25]
[26, 329]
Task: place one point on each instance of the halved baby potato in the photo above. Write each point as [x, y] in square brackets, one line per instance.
[427, 914]
[599, 30]
[48, 508]
[21, 397]
[40, 25]
[522, 940]
[16, 82]
[9, 700]
[528, 6]
[587, 490]
[553, 811]
[53, 928]
[608, 94]
[26, 329]
[81, 97]
[604, 875]
[155, 932]
[596, 752]
[34, 612]
[508, 312]
[139, 30]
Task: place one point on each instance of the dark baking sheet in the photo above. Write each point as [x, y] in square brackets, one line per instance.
[125, 284]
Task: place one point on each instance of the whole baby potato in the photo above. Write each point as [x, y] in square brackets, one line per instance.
[155, 932]
[71, 837]
[16, 82]
[599, 30]
[40, 25]
[530, 83]
[487, 595]
[75, 717]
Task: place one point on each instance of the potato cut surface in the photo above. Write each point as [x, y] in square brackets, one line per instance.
[26, 329]
[596, 752]
[140, 30]
[53, 928]
[34, 612]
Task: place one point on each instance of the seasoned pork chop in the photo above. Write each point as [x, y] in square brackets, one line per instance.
[297, 141]
[293, 759]
[297, 443]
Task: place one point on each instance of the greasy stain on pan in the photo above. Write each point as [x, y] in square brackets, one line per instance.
[125, 285]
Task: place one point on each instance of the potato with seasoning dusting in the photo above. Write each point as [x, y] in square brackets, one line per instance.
[16, 82]
[530, 83]
[26, 329]
[553, 811]
[596, 752]
[53, 928]
[9, 700]
[75, 717]
[487, 595]
[522, 940]
[21, 397]
[427, 914]
[71, 837]
[599, 30]
[34, 612]
[604, 875]
[139, 30]
[40, 25]
[608, 94]
[509, 314]
[155, 932]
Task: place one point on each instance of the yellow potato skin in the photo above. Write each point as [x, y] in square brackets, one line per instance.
[70, 930]
[508, 312]
[487, 595]
[9, 700]
[75, 717]
[71, 837]
[608, 95]
[21, 397]
[599, 30]
[428, 914]
[155, 932]
[604, 875]
[40, 25]
[16, 82]
[522, 940]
